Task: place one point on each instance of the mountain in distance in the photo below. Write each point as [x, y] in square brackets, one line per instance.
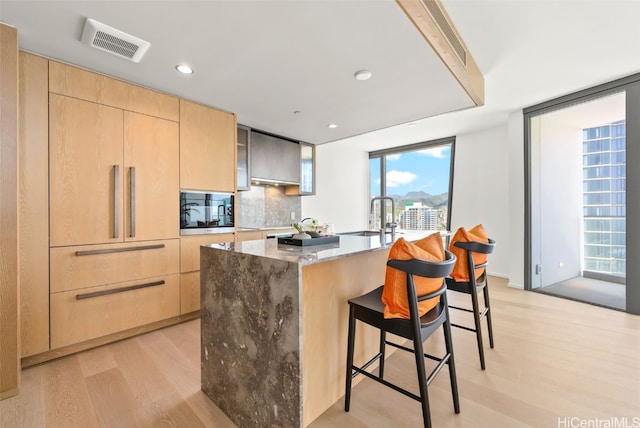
[427, 199]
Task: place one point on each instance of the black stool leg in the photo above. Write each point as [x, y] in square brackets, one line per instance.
[350, 346]
[422, 379]
[487, 304]
[476, 319]
[383, 337]
[452, 365]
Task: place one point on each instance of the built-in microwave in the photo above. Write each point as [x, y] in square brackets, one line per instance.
[206, 212]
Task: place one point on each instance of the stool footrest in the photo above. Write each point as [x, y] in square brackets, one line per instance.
[366, 365]
[460, 309]
[361, 370]
[404, 348]
[464, 327]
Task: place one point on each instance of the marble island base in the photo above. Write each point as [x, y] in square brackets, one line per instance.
[274, 326]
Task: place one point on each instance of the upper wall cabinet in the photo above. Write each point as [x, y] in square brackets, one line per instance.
[244, 167]
[207, 148]
[307, 169]
[274, 160]
[86, 85]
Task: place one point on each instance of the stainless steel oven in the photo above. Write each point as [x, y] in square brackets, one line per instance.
[206, 212]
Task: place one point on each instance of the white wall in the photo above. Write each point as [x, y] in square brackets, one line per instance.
[482, 191]
[560, 203]
[342, 188]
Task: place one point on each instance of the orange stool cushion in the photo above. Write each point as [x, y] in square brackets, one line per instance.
[394, 293]
[460, 271]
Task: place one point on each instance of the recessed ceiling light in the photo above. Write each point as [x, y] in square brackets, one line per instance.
[333, 125]
[411, 125]
[184, 69]
[362, 75]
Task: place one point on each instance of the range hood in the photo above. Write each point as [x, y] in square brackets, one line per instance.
[274, 160]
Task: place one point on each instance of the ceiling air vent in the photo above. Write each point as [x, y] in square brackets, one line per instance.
[114, 41]
[434, 10]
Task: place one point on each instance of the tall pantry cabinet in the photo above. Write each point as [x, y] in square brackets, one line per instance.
[113, 192]
[100, 176]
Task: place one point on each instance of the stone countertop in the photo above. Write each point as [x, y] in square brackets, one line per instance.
[307, 255]
[269, 248]
[248, 229]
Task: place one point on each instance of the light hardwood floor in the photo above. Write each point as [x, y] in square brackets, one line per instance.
[557, 363]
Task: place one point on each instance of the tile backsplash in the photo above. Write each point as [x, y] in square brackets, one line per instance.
[266, 206]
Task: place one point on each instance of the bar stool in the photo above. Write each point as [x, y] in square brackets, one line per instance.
[369, 309]
[475, 284]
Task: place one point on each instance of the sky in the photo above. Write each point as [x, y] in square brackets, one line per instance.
[425, 170]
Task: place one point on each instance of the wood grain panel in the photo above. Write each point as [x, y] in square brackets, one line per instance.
[67, 402]
[326, 288]
[249, 235]
[33, 204]
[113, 400]
[9, 278]
[87, 85]
[189, 292]
[151, 146]
[74, 321]
[190, 248]
[207, 148]
[70, 272]
[85, 144]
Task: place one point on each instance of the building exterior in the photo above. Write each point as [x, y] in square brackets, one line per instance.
[415, 216]
[604, 199]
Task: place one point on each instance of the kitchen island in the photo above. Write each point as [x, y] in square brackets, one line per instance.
[274, 325]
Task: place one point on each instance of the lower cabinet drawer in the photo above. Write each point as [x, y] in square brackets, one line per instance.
[93, 312]
[93, 265]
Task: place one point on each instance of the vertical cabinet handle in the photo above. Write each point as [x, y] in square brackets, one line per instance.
[116, 199]
[132, 201]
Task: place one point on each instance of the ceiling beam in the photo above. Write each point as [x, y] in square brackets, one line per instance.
[435, 25]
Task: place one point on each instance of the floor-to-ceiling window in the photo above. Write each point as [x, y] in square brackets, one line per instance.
[604, 201]
[419, 178]
[580, 225]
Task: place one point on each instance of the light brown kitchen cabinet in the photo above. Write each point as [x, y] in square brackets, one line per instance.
[33, 203]
[114, 207]
[85, 168]
[249, 235]
[207, 148]
[84, 314]
[113, 174]
[83, 84]
[151, 151]
[87, 266]
[190, 267]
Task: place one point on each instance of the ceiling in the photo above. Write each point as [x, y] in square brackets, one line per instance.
[266, 60]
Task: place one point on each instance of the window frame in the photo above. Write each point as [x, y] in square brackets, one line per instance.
[382, 154]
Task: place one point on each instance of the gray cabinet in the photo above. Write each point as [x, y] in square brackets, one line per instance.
[244, 142]
[274, 160]
[307, 169]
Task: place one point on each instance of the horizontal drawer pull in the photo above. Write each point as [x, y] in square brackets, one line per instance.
[118, 290]
[118, 250]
